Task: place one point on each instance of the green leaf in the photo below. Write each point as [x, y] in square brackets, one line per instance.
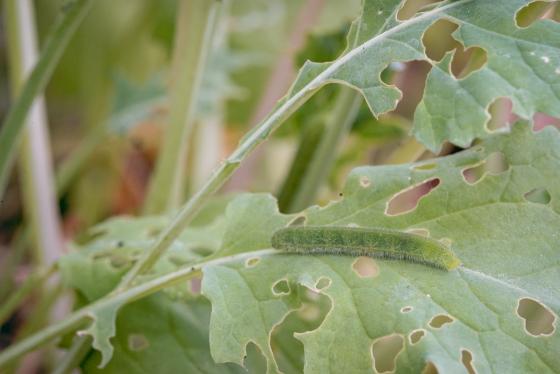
[506, 242]
[158, 334]
[95, 268]
[521, 64]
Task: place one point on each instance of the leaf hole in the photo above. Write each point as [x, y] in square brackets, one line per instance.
[281, 287]
[501, 114]
[408, 199]
[494, 164]
[385, 351]
[323, 283]
[542, 121]
[365, 267]
[298, 221]
[430, 368]
[364, 181]
[416, 335]
[308, 317]
[467, 61]
[412, 7]
[538, 196]
[539, 320]
[438, 39]
[467, 360]
[535, 11]
[137, 342]
[252, 262]
[407, 309]
[440, 320]
[425, 167]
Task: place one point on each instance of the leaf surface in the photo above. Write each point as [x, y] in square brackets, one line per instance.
[508, 246]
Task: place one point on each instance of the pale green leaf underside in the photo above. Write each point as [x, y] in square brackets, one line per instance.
[522, 64]
[509, 248]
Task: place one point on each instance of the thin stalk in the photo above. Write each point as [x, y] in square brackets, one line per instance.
[314, 173]
[31, 283]
[79, 349]
[81, 316]
[36, 164]
[13, 125]
[254, 138]
[195, 28]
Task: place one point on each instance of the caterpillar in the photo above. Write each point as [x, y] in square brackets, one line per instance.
[374, 242]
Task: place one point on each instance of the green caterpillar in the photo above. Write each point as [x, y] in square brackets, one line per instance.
[373, 242]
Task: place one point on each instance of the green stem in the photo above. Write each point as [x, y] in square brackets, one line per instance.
[31, 283]
[35, 155]
[80, 317]
[254, 138]
[195, 28]
[52, 51]
[303, 182]
[79, 349]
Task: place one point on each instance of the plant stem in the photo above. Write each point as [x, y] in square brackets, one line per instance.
[52, 51]
[308, 180]
[80, 317]
[36, 165]
[254, 138]
[79, 349]
[31, 283]
[195, 28]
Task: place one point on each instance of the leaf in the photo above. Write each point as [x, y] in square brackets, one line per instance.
[521, 64]
[507, 243]
[96, 267]
[158, 334]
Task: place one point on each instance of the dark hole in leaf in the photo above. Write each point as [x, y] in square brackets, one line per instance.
[430, 368]
[440, 320]
[406, 309]
[494, 164]
[467, 360]
[467, 61]
[365, 267]
[538, 196]
[535, 11]
[254, 358]
[288, 350]
[137, 342]
[364, 181]
[416, 335]
[412, 7]
[281, 287]
[251, 262]
[438, 39]
[411, 81]
[542, 121]
[428, 166]
[407, 200]
[539, 320]
[298, 221]
[501, 114]
[323, 283]
[385, 351]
